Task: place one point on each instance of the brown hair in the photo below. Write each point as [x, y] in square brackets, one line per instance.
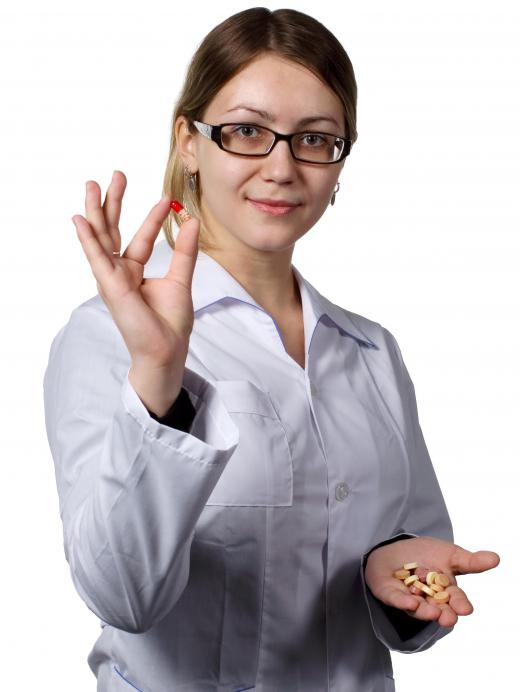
[229, 48]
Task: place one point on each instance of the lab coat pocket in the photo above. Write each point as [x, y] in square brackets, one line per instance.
[260, 471]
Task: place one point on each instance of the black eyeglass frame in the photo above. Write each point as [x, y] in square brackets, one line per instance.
[214, 132]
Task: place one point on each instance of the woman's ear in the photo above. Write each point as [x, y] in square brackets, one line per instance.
[186, 144]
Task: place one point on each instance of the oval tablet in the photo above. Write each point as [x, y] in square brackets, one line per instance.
[426, 589]
[442, 580]
[410, 580]
[410, 565]
[402, 573]
[442, 597]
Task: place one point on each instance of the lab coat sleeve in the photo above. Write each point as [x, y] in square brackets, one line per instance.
[180, 414]
[427, 515]
[130, 489]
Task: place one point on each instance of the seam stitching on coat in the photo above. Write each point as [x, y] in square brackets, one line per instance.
[127, 681]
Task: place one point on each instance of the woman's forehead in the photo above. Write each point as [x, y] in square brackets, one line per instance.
[276, 88]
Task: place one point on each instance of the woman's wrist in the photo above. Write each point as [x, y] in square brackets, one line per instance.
[158, 388]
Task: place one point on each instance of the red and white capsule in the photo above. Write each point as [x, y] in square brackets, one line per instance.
[177, 207]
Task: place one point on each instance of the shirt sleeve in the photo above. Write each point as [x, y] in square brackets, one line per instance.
[181, 413]
[427, 515]
[130, 488]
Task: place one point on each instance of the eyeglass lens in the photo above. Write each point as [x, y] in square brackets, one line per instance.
[311, 146]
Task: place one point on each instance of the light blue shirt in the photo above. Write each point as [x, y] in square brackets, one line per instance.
[230, 557]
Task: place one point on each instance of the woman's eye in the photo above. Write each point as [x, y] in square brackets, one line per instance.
[247, 128]
[314, 139]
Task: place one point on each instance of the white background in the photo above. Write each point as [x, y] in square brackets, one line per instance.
[423, 238]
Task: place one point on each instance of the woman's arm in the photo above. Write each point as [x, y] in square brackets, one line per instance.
[427, 515]
[428, 523]
[130, 489]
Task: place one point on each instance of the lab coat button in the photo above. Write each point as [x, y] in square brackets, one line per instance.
[314, 390]
[342, 490]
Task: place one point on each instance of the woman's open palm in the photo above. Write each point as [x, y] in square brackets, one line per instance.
[155, 316]
[436, 555]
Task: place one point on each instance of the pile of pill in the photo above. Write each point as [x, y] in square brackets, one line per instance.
[424, 582]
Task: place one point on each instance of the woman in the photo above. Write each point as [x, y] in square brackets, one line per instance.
[239, 461]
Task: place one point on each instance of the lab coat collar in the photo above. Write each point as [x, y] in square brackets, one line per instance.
[319, 305]
[212, 283]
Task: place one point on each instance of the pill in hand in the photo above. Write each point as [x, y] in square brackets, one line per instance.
[411, 579]
[426, 589]
[422, 573]
[430, 577]
[402, 573]
[442, 580]
[423, 581]
[441, 597]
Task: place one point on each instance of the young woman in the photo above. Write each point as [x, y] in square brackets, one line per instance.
[239, 461]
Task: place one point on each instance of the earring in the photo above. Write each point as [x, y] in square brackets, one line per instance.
[192, 179]
[334, 194]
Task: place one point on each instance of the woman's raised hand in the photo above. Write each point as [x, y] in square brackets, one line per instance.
[155, 316]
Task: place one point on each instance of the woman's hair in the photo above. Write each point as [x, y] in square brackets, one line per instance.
[229, 48]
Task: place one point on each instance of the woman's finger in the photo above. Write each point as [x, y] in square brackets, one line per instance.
[102, 265]
[448, 617]
[429, 609]
[459, 602]
[415, 606]
[112, 206]
[184, 257]
[95, 216]
[397, 598]
[467, 562]
[425, 610]
[141, 246]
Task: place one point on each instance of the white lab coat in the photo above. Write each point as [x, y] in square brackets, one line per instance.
[230, 557]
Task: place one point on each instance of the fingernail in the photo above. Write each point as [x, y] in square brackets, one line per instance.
[179, 210]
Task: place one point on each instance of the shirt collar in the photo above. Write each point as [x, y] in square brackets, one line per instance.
[343, 319]
[212, 282]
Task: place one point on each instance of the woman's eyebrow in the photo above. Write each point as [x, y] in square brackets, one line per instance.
[271, 118]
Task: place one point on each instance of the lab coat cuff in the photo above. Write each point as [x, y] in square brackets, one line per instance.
[213, 433]
[392, 626]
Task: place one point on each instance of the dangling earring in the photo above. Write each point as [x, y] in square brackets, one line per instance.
[334, 194]
[192, 179]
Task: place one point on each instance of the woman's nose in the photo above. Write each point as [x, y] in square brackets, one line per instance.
[279, 164]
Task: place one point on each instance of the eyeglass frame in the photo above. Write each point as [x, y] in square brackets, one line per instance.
[214, 132]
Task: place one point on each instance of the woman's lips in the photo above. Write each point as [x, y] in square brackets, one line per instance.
[272, 209]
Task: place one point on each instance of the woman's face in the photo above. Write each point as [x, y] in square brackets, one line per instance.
[290, 93]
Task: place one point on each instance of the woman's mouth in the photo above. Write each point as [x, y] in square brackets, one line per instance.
[274, 210]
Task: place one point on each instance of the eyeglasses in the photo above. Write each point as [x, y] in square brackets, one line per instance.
[247, 139]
